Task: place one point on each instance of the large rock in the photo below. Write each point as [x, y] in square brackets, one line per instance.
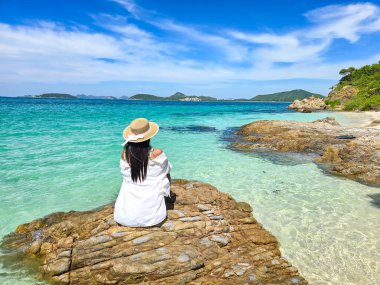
[343, 94]
[351, 152]
[308, 105]
[208, 238]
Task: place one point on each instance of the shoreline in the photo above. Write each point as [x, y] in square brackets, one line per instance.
[363, 119]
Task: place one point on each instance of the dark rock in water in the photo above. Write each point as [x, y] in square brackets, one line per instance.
[355, 156]
[192, 128]
[207, 238]
[345, 137]
[375, 199]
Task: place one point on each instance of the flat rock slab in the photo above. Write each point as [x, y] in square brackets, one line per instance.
[350, 152]
[207, 238]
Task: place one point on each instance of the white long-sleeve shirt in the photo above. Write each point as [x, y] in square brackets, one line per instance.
[142, 204]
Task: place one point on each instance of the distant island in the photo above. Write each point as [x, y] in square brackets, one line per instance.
[69, 96]
[52, 95]
[178, 96]
[82, 96]
[286, 96]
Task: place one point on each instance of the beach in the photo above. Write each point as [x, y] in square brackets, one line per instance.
[361, 119]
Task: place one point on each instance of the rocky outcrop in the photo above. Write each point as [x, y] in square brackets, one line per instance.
[351, 152]
[208, 238]
[338, 97]
[343, 94]
[308, 105]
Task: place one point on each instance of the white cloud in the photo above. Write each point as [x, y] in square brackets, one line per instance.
[227, 49]
[50, 40]
[130, 6]
[345, 22]
[308, 45]
[41, 54]
[270, 48]
[48, 52]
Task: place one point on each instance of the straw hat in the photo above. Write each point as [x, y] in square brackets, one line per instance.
[139, 130]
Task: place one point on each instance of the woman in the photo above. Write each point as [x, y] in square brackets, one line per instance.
[146, 178]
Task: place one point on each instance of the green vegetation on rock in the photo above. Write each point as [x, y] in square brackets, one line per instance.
[286, 96]
[358, 89]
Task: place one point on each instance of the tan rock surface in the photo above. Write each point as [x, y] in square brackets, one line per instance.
[308, 105]
[356, 156]
[343, 94]
[208, 238]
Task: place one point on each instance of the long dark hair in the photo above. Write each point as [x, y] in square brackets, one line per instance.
[137, 155]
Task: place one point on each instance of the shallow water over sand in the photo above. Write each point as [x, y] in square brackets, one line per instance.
[59, 155]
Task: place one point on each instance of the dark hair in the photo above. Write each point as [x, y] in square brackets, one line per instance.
[137, 156]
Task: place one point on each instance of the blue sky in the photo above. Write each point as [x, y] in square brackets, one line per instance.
[226, 49]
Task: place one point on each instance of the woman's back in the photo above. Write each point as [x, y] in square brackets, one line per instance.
[142, 203]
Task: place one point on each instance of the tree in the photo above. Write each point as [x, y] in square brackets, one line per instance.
[347, 71]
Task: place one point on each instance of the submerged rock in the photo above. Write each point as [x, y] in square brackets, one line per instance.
[351, 152]
[208, 238]
[308, 105]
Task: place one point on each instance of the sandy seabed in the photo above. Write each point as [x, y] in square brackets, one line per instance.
[361, 119]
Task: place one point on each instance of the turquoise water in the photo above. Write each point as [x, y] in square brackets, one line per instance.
[60, 155]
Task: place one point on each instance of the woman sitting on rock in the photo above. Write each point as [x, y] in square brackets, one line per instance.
[146, 178]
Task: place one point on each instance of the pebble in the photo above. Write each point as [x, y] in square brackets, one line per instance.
[217, 217]
[203, 207]
[141, 240]
[190, 219]
[183, 257]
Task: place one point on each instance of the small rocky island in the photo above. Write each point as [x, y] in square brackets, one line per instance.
[208, 238]
[350, 152]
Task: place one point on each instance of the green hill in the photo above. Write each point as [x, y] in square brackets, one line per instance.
[207, 98]
[146, 97]
[178, 96]
[55, 95]
[286, 96]
[358, 89]
[84, 96]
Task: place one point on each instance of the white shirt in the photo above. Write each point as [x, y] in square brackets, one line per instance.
[142, 204]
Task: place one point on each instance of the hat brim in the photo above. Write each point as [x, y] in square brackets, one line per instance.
[153, 130]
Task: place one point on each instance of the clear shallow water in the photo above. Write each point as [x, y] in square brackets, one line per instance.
[60, 155]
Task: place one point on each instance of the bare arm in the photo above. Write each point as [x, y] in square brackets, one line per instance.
[156, 152]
